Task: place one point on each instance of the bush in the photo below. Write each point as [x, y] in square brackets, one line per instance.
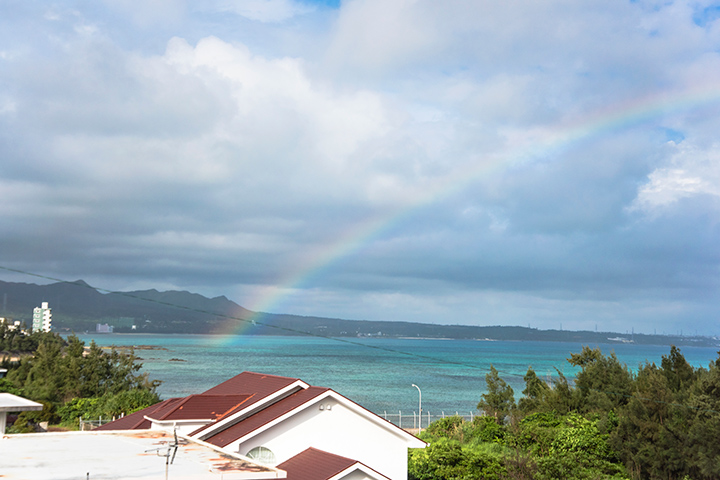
[486, 429]
[447, 459]
[451, 427]
[106, 406]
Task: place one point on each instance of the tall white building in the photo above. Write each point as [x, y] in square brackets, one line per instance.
[42, 318]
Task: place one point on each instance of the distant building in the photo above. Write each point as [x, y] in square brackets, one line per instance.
[42, 318]
[11, 326]
[103, 328]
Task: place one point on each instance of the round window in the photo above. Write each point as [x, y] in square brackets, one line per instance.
[262, 455]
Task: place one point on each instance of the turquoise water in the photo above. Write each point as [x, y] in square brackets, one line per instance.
[377, 373]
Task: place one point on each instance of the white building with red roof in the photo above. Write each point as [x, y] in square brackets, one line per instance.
[283, 422]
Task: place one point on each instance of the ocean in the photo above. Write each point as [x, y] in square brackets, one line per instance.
[377, 373]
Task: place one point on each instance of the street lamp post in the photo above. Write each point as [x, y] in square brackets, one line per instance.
[419, 408]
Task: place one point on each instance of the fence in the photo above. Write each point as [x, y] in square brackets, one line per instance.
[407, 420]
[414, 421]
[93, 424]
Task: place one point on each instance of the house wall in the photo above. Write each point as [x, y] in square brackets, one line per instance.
[337, 430]
[357, 475]
[184, 428]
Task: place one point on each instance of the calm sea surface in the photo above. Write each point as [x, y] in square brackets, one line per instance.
[377, 373]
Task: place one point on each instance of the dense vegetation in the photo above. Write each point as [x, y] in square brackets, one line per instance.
[662, 422]
[71, 380]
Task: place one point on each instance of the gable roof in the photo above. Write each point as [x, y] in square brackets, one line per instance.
[263, 417]
[200, 407]
[264, 390]
[194, 407]
[315, 464]
[261, 420]
[222, 401]
[252, 383]
[245, 405]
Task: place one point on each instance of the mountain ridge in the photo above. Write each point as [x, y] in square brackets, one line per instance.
[78, 307]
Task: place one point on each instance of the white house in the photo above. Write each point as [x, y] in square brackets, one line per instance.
[285, 423]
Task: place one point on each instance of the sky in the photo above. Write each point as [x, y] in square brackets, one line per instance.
[548, 164]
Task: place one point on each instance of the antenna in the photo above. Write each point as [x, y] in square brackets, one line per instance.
[165, 451]
[174, 445]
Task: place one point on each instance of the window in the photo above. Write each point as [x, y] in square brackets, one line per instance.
[262, 455]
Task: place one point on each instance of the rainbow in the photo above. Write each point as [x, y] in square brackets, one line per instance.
[530, 145]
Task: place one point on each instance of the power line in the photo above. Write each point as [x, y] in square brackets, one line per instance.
[254, 321]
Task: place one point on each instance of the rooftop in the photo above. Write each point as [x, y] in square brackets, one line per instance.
[314, 464]
[136, 454]
[13, 403]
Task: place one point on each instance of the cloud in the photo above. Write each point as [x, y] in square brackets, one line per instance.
[264, 10]
[690, 172]
[149, 12]
[459, 162]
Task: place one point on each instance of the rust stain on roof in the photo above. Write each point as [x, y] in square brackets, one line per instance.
[129, 452]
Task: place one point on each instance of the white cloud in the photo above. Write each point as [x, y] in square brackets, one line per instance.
[278, 104]
[691, 172]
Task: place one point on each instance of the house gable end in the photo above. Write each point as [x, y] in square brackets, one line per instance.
[250, 408]
[316, 464]
[267, 417]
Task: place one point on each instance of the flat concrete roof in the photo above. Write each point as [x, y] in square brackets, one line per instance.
[126, 454]
[13, 403]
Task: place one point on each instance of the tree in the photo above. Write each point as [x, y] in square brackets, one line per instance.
[499, 399]
[654, 436]
[534, 393]
[679, 373]
[40, 376]
[560, 398]
[61, 371]
[603, 383]
[704, 449]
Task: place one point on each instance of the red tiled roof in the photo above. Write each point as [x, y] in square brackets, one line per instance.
[221, 400]
[314, 464]
[193, 407]
[264, 416]
[251, 383]
[259, 386]
[136, 421]
[201, 407]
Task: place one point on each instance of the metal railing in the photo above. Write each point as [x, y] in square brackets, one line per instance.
[91, 424]
[411, 420]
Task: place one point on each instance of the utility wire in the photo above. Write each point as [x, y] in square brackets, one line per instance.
[253, 321]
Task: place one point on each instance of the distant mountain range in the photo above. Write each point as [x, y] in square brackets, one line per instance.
[78, 307]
